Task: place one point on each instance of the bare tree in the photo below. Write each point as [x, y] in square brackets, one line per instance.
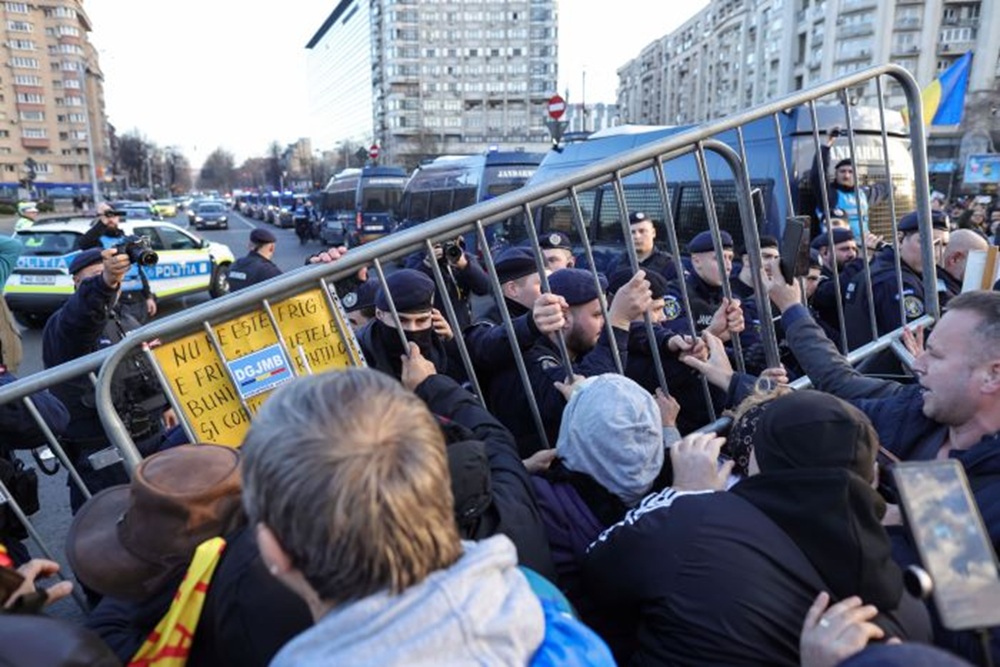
[217, 172]
[423, 146]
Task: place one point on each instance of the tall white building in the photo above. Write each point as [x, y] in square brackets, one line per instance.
[735, 54]
[428, 77]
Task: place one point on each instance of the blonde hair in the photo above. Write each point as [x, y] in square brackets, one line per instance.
[349, 471]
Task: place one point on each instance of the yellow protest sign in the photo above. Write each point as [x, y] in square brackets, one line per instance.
[200, 379]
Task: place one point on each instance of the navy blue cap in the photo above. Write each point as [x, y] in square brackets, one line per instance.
[514, 262]
[814, 259]
[85, 259]
[657, 283]
[635, 217]
[576, 285]
[703, 241]
[846, 162]
[412, 292]
[261, 236]
[840, 234]
[362, 297]
[554, 240]
[939, 220]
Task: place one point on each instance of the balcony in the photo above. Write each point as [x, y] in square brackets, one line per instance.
[854, 30]
[907, 23]
[42, 142]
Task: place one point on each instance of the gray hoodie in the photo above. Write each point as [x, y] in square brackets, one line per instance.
[479, 611]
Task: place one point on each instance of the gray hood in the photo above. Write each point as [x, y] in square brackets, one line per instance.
[611, 430]
[479, 611]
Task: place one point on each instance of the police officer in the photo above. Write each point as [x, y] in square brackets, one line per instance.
[532, 314]
[644, 238]
[359, 303]
[87, 322]
[136, 296]
[587, 343]
[844, 259]
[462, 275]
[27, 216]
[256, 266]
[558, 251]
[413, 295]
[709, 308]
[885, 291]
[741, 286]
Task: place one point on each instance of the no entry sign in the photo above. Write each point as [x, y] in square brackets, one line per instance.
[557, 107]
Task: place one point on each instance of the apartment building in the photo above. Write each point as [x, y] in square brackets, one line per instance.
[428, 77]
[51, 99]
[735, 54]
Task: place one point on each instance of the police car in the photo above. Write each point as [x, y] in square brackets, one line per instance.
[40, 282]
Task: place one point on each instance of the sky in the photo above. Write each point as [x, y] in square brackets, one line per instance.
[223, 73]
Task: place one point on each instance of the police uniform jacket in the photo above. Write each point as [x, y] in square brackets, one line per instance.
[513, 510]
[705, 300]
[896, 412]
[886, 295]
[385, 357]
[487, 339]
[824, 299]
[544, 369]
[658, 261]
[251, 269]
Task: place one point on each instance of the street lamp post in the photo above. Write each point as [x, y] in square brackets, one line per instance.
[94, 183]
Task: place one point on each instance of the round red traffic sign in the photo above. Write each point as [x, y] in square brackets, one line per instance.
[373, 152]
[557, 107]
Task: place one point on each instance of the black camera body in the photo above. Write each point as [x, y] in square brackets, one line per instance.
[452, 251]
[138, 249]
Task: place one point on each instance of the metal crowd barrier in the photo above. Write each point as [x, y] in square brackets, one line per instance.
[294, 324]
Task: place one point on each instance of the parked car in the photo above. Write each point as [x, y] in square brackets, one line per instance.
[41, 283]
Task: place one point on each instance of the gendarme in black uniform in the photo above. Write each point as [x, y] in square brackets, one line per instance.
[705, 299]
[254, 267]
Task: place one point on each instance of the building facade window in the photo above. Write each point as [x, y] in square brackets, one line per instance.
[30, 98]
[27, 80]
[32, 115]
[24, 63]
[34, 133]
[19, 26]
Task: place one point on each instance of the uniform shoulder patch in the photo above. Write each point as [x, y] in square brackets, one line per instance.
[549, 362]
[913, 306]
[350, 299]
[671, 307]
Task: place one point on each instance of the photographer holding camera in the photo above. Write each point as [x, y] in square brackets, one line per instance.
[462, 275]
[91, 320]
[136, 297]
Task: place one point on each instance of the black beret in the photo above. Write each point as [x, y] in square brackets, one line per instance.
[846, 162]
[910, 222]
[362, 297]
[703, 241]
[657, 283]
[576, 285]
[840, 234]
[261, 236]
[412, 292]
[85, 259]
[636, 217]
[514, 262]
[554, 240]
[814, 260]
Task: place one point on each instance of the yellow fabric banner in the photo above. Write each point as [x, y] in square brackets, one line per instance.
[169, 644]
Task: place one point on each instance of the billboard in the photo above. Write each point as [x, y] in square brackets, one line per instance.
[982, 169]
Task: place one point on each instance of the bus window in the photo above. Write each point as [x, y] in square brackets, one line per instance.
[463, 197]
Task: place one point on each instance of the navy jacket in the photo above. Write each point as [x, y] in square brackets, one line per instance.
[250, 270]
[545, 369]
[460, 282]
[17, 428]
[886, 297]
[513, 511]
[487, 341]
[658, 261]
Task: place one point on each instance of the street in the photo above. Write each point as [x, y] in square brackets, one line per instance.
[54, 518]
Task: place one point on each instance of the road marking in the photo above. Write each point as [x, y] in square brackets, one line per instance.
[244, 220]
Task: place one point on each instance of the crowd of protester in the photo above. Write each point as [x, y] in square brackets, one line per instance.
[571, 513]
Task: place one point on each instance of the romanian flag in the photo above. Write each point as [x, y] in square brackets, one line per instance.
[944, 99]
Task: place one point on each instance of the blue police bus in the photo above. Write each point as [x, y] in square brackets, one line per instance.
[361, 205]
[452, 182]
[600, 208]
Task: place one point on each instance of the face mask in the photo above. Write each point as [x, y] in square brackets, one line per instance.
[424, 340]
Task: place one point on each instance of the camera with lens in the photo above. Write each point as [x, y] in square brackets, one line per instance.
[452, 251]
[138, 249]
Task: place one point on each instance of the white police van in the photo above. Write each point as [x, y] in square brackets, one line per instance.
[40, 283]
